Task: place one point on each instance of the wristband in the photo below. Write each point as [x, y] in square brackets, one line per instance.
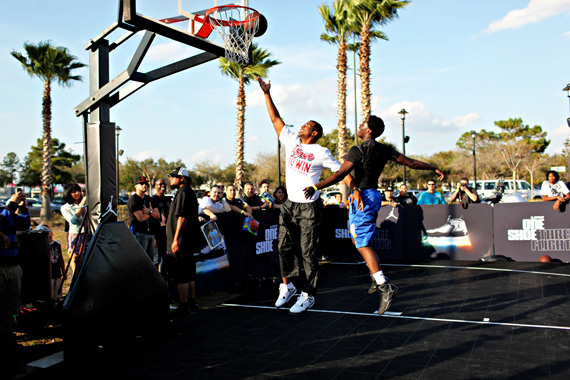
[357, 189]
[315, 187]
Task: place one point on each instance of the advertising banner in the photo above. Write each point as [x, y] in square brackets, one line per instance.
[524, 232]
[448, 231]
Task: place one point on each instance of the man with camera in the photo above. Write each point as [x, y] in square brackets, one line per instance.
[15, 217]
[464, 194]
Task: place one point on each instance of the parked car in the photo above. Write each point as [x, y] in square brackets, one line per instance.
[35, 207]
[487, 188]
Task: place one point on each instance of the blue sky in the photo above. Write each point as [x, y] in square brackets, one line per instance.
[454, 65]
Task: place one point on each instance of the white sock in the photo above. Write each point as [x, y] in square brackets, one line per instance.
[379, 277]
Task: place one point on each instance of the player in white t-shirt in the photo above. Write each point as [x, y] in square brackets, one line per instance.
[300, 217]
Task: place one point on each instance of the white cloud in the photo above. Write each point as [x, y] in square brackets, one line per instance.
[171, 51]
[561, 131]
[147, 154]
[567, 34]
[459, 121]
[253, 138]
[535, 11]
[210, 155]
[299, 100]
[8, 115]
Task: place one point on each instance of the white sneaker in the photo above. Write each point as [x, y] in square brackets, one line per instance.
[286, 291]
[304, 302]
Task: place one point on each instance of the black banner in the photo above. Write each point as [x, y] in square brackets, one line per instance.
[527, 231]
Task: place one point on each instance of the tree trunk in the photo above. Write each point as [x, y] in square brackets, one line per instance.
[45, 213]
[240, 146]
[342, 69]
[364, 56]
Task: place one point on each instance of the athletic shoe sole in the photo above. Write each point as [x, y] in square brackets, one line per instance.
[302, 311]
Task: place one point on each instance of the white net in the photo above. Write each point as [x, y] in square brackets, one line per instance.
[237, 26]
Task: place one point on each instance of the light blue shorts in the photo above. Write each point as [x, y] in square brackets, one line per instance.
[362, 223]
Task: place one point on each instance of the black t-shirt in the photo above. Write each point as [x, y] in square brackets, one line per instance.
[236, 202]
[185, 205]
[369, 159]
[137, 203]
[254, 200]
[162, 205]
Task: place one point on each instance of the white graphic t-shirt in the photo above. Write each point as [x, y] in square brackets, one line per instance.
[304, 165]
[550, 190]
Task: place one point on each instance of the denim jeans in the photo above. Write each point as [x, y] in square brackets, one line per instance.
[147, 243]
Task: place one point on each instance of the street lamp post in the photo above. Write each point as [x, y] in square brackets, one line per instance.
[405, 138]
[474, 136]
[567, 88]
[117, 130]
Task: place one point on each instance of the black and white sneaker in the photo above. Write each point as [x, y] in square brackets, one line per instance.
[286, 291]
[304, 302]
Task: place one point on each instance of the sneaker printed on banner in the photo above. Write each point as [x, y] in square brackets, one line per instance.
[453, 227]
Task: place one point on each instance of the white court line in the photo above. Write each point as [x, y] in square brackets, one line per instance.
[389, 314]
[458, 267]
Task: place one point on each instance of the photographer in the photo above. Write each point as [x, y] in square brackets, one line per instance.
[404, 198]
[464, 194]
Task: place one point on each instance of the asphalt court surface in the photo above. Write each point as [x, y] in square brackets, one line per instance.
[450, 320]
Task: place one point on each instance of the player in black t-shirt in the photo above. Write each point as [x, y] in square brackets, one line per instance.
[368, 160]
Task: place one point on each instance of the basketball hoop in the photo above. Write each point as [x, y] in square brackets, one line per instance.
[237, 25]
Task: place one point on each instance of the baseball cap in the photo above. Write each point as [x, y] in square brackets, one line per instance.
[141, 179]
[179, 172]
[389, 188]
[42, 228]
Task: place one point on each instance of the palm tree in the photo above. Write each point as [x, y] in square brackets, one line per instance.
[49, 63]
[369, 13]
[341, 27]
[260, 65]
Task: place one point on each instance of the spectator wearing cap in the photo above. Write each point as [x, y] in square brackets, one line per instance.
[140, 211]
[263, 186]
[389, 195]
[431, 197]
[183, 235]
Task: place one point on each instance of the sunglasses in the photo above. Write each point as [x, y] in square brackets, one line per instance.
[431, 184]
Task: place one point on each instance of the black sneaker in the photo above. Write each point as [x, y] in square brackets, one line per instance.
[387, 294]
[182, 310]
[372, 289]
[193, 305]
[373, 286]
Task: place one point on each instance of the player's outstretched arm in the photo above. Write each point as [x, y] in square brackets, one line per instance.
[278, 123]
[344, 170]
[420, 165]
